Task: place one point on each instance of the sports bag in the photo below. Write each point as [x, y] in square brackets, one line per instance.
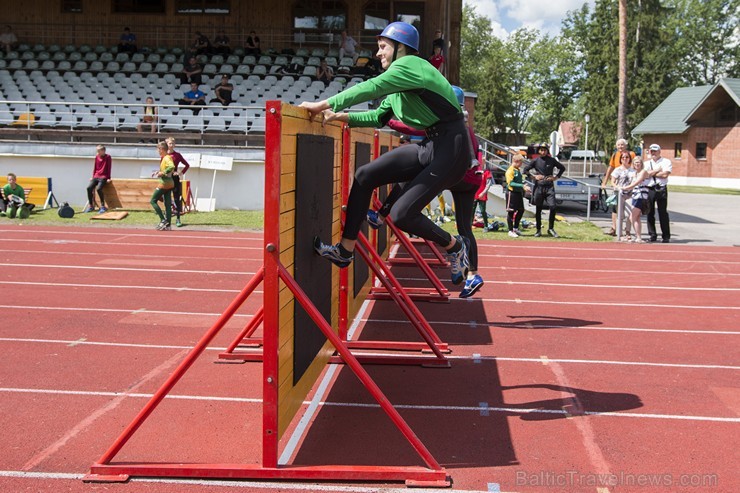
[66, 211]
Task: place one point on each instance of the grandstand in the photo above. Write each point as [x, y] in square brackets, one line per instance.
[84, 93]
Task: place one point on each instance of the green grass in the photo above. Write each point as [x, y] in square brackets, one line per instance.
[704, 190]
[217, 220]
[229, 220]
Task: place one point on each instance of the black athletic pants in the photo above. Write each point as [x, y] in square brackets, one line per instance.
[428, 168]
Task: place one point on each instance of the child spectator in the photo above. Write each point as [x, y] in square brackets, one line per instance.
[151, 115]
[164, 188]
[481, 198]
[515, 188]
[177, 159]
[101, 176]
[325, 73]
[438, 59]
[14, 199]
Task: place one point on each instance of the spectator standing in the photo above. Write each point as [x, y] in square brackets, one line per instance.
[127, 41]
[194, 97]
[638, 201]
[164, 187]
[191, 72]
[252, 46]
[658, 169]
[150, 118]
[177, 160]
[515, 187]
[348, 46]
[8, 40]
[222, 43]
[438, 162]
[223, 91]
[614, 163]
[325, 73]
[622, 177]
[101, 176]
[438, 41]
[541, 171]
[438, 59]
[481, 197]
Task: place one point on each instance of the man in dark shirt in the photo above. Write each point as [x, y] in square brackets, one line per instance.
[223, 91]
[541, 170]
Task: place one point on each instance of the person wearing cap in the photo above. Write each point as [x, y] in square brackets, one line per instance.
[541, 170]
[658, 169]
[419, 96]
[614, 163]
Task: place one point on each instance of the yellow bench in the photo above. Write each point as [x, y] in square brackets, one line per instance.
[38, 190]
[135, 193]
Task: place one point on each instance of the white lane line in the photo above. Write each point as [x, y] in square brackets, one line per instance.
[120, 286]
[476, 357]
[83, 425]
[608, 272]
[599, 248]
[527, 325]
[610, 286]
[47, 253]
[113, 310]
[56, 234]
[145, 245]
[128, 269]
[302, 428]
[475, 409]
[605, 259]
[600, 303]
[284, 486]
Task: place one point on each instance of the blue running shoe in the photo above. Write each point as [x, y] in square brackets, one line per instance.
[374, 219]
[459, 262]
[87, 209]
[331, 253]
[102, 210]
[472, 285]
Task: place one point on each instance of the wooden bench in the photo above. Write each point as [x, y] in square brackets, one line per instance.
[134, 193]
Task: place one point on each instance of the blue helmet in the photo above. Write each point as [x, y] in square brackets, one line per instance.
[402, 32]
[460, 95]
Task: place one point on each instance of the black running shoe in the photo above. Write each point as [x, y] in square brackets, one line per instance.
[331, 253]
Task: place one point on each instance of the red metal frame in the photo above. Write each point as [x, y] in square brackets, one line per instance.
[271, 274]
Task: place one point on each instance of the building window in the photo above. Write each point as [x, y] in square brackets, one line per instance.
[71, 6]
[324, 15]
[376, 16]
[677, 149]
[202, 6]
[701, 150]
[139, 6]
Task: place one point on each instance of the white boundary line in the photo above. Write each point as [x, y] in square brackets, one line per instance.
[242, 483]
[97, 233]
[599, 248]
[476, 358]
[119, 255]
[129, 269]
[121, 286]
[474, 408]
[114, 310]
[521, 325]
[173, 245]
[605, 259]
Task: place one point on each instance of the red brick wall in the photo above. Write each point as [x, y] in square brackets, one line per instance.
[723, 151]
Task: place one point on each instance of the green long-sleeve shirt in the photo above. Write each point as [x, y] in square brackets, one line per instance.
[400, 83]
[514, 179]
[18, 190]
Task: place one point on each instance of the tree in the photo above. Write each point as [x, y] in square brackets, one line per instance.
[707, 40]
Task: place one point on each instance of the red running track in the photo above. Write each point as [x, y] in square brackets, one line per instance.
[578, 367]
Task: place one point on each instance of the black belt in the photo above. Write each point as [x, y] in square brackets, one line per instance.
[440, 126]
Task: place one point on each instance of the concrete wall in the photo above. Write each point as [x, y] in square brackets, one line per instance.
[241, 188]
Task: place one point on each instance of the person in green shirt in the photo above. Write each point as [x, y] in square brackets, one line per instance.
[14, 199]
[419, 96]
[164, 188]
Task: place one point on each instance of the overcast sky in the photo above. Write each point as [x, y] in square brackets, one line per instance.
[509, 15]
